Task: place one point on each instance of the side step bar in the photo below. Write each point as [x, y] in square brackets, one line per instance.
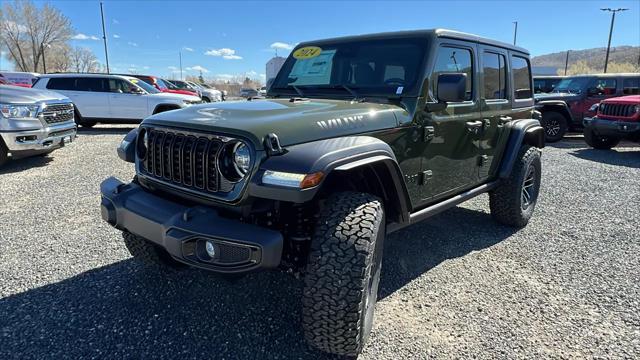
[442, 206]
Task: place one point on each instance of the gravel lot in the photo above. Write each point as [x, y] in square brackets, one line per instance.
[458, 285]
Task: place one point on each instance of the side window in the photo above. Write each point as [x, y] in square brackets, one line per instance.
[495, 74]
[61, 84]
[521, 77]
[631, 86]
[118, 86]
[605, 86]
[90, 84]
[454, 60]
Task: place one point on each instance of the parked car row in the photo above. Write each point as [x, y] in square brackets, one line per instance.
[572, 99]
[616, 119]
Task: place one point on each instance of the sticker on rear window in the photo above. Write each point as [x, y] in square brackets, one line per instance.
[399, 90]
[307, 52]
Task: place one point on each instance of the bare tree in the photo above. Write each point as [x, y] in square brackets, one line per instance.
[83, 60]
[26, 31]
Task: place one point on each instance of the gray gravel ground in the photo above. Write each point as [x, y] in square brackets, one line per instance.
[458, 285]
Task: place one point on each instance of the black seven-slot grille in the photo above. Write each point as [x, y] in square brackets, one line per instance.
[57, 113]
[186, 160]
[622, 110]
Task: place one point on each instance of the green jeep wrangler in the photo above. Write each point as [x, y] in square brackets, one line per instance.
[358, 137]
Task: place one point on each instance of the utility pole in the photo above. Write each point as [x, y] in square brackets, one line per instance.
[515, 32]
[180, 55]
[566, 63]
[104, 38]
[44, 62]
[613, 19]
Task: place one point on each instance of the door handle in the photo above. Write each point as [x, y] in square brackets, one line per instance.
[505, 118]
[474, 126]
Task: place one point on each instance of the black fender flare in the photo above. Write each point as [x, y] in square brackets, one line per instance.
[168, 105]
[558, 105]
[331, 156]
[127, 148]
[523, 131]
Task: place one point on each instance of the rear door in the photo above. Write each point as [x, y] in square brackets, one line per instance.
[87, 93]
[449, 160]
[495, 102]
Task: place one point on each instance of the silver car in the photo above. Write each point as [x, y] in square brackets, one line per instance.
[33, 122]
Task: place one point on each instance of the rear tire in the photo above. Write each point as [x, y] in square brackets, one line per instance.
[555, 125]
[343, 273]
[149, 254]
[513, 201]
[599, 142]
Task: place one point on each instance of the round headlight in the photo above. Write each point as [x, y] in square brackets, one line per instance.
[241, 158]
[637, 108]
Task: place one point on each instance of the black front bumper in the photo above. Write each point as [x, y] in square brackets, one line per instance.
[621, 129]
[183, 231]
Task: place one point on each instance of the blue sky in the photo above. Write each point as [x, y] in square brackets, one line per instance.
[231, 38]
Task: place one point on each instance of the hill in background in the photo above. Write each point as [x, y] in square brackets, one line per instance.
[594, 58]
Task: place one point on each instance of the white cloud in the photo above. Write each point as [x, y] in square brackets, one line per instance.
[281, 46]
[172, 68]
[145, 67]
[187, 49]
[220, 52]
[197, 68]
[81, 36]
[116, 36]
[252, 73]
[225, 53]
[133, 44]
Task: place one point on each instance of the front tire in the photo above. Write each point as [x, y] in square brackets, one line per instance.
[599, 142]
[343, 273]
[4, 153]
[513, 201]
[555, 126]
[149, 254]
[81, 121]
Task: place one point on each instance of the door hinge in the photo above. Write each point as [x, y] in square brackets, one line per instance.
[425, 176]
[429, 133]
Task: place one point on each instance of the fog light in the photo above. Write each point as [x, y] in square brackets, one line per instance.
[211, 249]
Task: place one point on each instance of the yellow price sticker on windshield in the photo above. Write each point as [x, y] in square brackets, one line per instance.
[307, 52]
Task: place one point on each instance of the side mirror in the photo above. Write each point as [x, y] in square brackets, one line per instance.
[452, 87]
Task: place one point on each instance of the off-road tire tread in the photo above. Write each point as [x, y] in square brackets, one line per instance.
[504, 201]
[337, 276]
[4, 153]
[593, 140]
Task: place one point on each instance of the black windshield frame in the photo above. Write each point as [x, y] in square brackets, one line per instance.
[346, 51]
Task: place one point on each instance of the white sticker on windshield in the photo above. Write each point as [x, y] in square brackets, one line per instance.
[399, 90]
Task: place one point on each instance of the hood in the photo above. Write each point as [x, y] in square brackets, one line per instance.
[631, 99]
[173, 96]
[293, 122]
[22, 95]
[555, 96]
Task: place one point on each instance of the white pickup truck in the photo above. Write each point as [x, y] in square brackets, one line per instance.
[112, 98]
[33, 122]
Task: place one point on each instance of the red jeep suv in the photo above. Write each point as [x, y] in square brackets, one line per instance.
[616, 119]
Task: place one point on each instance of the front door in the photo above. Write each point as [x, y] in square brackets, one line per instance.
[450, 157]
[496, 107]
[125, 102]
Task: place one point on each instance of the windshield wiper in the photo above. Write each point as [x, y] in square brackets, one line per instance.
[350, 90]
[297, 89]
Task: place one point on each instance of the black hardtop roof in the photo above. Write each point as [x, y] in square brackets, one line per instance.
[431, 33]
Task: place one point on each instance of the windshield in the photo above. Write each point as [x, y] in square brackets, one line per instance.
[180, 84]
[148, 88]
[169, 85]
[572, 85]
[388, 67]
